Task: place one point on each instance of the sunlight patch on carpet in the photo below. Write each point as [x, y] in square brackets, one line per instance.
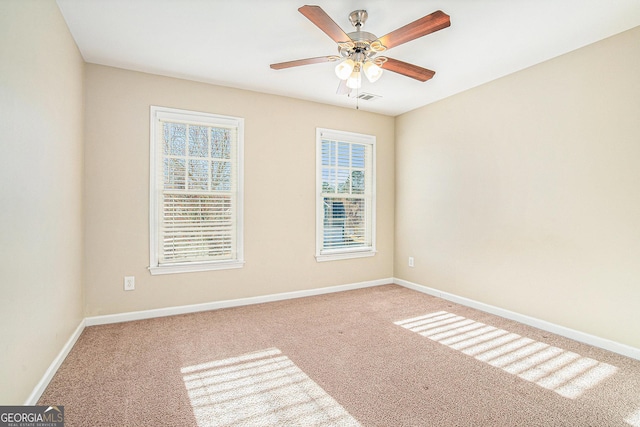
[553, 368]
[263, 388]
[633, 419]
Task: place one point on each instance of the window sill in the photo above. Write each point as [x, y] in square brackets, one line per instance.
[191, 268]
[344, 255]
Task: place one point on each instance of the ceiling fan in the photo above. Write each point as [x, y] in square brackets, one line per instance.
[357, 50]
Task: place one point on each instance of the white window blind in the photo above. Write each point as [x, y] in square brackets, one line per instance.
[196, 203]
[345, 195]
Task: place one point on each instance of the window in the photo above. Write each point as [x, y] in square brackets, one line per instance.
[195, 191]
[345, 188]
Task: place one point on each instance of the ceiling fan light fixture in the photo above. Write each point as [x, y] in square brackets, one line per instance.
[372, 71]
[345, 69]
[355, 80]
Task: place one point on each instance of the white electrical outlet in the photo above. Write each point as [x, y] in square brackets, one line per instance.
[411, 261]
[129, 283]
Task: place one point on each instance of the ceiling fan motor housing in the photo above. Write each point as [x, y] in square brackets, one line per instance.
[363, 45]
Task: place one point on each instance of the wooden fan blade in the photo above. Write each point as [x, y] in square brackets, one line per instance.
[423, 26]
[307, 61]
[408, 70]
[323, 21]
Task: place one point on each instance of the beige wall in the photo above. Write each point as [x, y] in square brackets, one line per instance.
[521, 193]
[41, 106]
[279, 193]
[524, 193]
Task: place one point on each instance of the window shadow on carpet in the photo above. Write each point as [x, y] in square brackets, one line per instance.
[553, 368]
[262, 388]
[633, 419]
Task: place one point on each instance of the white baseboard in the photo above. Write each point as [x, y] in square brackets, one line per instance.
[613, 346]
[50, 372]
[215, 305]
[170, 311]
[573, 334]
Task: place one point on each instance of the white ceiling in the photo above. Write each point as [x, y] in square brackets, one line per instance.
[232, 42]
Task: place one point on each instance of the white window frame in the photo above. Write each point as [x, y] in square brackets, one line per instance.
[348, 252]
[155, 192]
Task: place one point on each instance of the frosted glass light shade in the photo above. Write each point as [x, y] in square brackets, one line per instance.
[344, 69]
[355, 80]
[372, 71]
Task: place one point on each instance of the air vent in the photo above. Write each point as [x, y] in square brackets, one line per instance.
[368, 96]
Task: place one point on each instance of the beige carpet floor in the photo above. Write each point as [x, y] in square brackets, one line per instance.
[381, 356]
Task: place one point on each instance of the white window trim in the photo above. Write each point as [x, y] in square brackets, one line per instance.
[343, 253]
[207, 119]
